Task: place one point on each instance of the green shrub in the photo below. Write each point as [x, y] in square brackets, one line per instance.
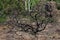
[8, 6]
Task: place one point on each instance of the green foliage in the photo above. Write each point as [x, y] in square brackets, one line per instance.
[7, 6]
[34, 2]
[58, 1]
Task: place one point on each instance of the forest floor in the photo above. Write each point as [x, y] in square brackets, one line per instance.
[52, 32]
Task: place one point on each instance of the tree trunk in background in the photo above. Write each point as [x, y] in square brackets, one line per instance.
[26, 5]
